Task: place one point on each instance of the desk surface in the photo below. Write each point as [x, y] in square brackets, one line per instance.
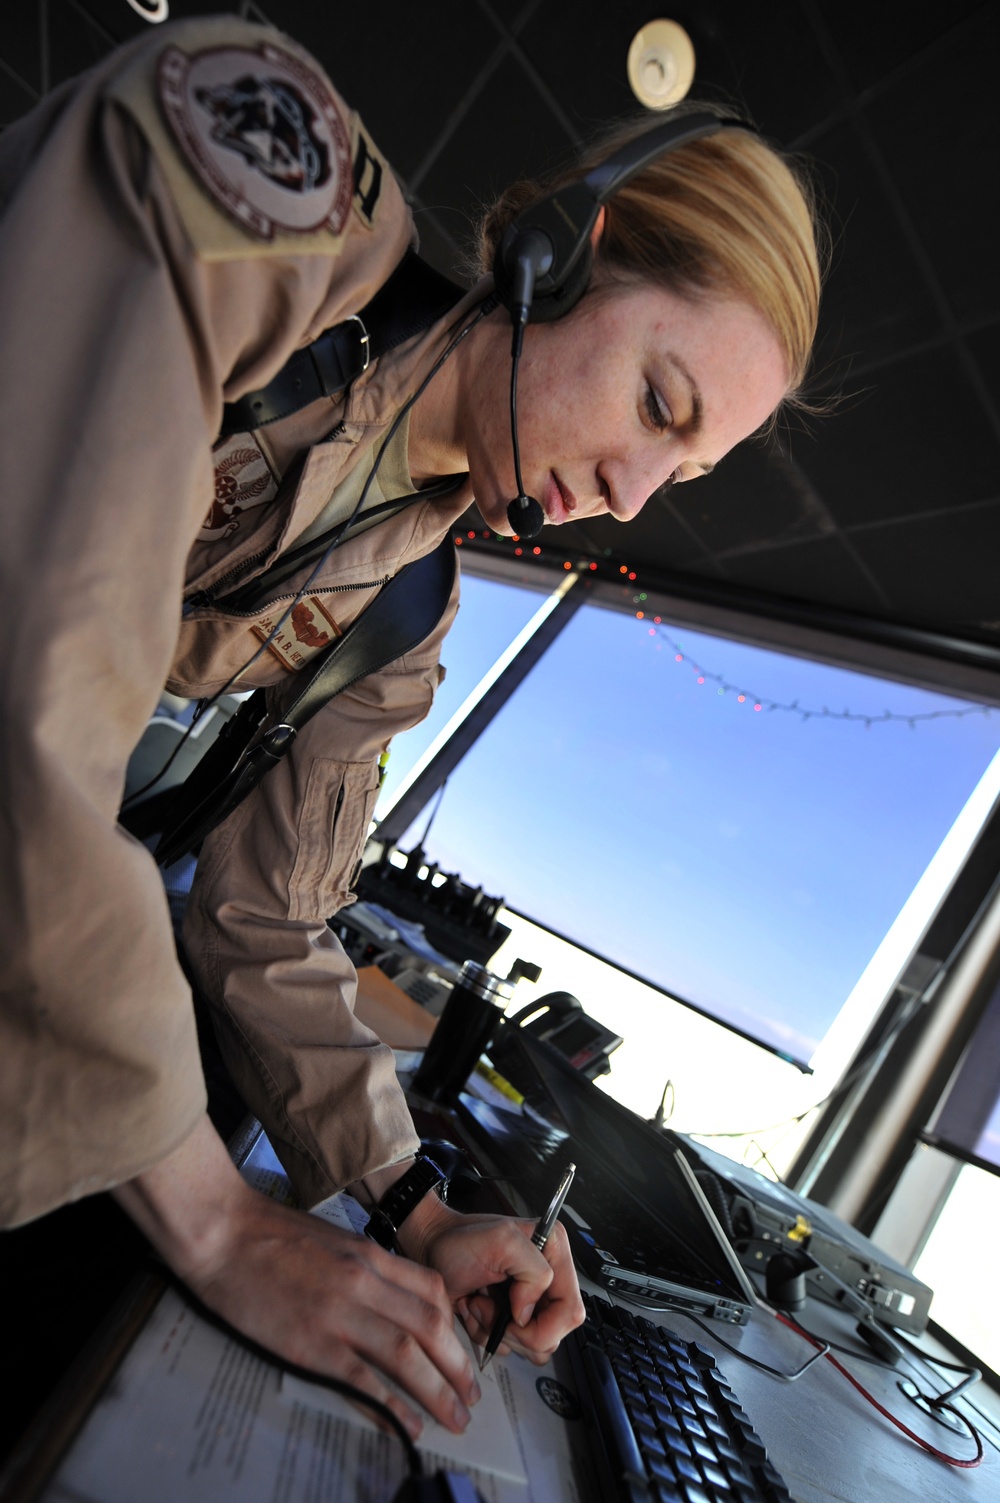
[195, 1418]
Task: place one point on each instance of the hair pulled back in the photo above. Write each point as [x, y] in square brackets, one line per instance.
[726, 213]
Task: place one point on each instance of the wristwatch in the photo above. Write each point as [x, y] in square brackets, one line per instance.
[399, 1200]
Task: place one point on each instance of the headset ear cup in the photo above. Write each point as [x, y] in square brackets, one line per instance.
[548, 305]
[555, 304]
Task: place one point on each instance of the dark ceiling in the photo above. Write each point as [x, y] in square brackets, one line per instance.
[889, 507]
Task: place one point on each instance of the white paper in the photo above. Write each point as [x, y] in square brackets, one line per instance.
[488, 1441]
[192, 1417]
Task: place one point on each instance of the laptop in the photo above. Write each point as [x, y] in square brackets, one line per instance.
[638, 1220]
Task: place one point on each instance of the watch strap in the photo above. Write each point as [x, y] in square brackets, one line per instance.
[399, 1200]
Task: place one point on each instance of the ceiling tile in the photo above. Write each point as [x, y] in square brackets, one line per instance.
[20, 50]
[404, 67]
[508, 133]
[874, 40]
[984, 347]
[912, 438]
[15, 100]
[941, 570]
[875, 300]
[754, 498]
[941, 141]
[817, 569]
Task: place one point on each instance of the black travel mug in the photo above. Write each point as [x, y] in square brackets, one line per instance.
[463, 1031]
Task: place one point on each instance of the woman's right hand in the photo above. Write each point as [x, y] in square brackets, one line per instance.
[306, 1290]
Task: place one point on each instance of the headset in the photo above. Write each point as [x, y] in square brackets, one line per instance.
[543, 263]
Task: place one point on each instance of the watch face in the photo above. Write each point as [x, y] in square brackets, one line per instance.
[381, 1230]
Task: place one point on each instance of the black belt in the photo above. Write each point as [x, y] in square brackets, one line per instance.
[414, 297]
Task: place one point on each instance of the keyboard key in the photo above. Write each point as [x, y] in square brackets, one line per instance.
[691, 1426]
[774, 1481]
[695, 1494]
[718, 1479]
[675, 1444]
[736, 1472]
[750, 1445]
[660, 1470]
[650, 1443]
[666, 1492]
[704, 1450]
[686, 1470]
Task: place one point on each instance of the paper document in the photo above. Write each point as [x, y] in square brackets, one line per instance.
[192, 1417]
[489, 1442]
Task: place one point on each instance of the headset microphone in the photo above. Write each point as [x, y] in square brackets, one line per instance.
[533, 255]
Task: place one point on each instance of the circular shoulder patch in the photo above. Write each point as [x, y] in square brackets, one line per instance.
[264, 135]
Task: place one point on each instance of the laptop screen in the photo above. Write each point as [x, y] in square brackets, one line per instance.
[628, 1165]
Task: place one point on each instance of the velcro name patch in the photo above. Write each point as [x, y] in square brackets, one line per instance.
[309, 629]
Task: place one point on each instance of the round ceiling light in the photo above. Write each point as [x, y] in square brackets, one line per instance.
[660, 64]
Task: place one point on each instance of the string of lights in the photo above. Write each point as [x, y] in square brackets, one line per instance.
[723, 686]
[761, 702]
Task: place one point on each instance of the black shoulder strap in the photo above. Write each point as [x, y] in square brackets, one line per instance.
[403, 613]
[414, 297]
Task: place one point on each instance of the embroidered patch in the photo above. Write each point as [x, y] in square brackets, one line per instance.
[309, 628]
[242, 480]
[264, 135]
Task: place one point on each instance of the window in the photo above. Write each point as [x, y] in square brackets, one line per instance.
[489, 619]
[737, 825]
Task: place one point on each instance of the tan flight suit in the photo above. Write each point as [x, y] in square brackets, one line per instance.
[133, 302]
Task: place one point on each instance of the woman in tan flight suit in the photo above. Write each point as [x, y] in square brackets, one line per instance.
[175, 225]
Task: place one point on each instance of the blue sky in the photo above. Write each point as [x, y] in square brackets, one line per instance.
[750, 861]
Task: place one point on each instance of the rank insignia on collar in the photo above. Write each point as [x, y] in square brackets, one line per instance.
[264, 135]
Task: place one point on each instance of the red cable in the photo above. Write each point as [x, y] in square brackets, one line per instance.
[925, 1444]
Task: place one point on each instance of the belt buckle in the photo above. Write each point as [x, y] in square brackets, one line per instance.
[363, 339]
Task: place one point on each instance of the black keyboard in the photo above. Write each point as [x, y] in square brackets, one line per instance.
[665, 1424]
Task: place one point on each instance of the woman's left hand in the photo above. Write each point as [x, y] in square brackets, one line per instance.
[474, 1253]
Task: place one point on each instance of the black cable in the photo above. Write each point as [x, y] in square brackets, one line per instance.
[198, 716]
[938, 1401]
[515, 362]
[296, 1370]
[764, 1367]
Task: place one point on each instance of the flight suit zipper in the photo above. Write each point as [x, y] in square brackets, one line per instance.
[279, 600]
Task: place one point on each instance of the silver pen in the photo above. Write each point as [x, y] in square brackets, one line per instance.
[539, 1237]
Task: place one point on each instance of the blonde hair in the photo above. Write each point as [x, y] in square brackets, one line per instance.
[726, 213]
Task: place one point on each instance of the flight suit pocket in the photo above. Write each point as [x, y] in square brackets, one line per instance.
[336, 812]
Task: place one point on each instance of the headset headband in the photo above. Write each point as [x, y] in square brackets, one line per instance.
[555, 232]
